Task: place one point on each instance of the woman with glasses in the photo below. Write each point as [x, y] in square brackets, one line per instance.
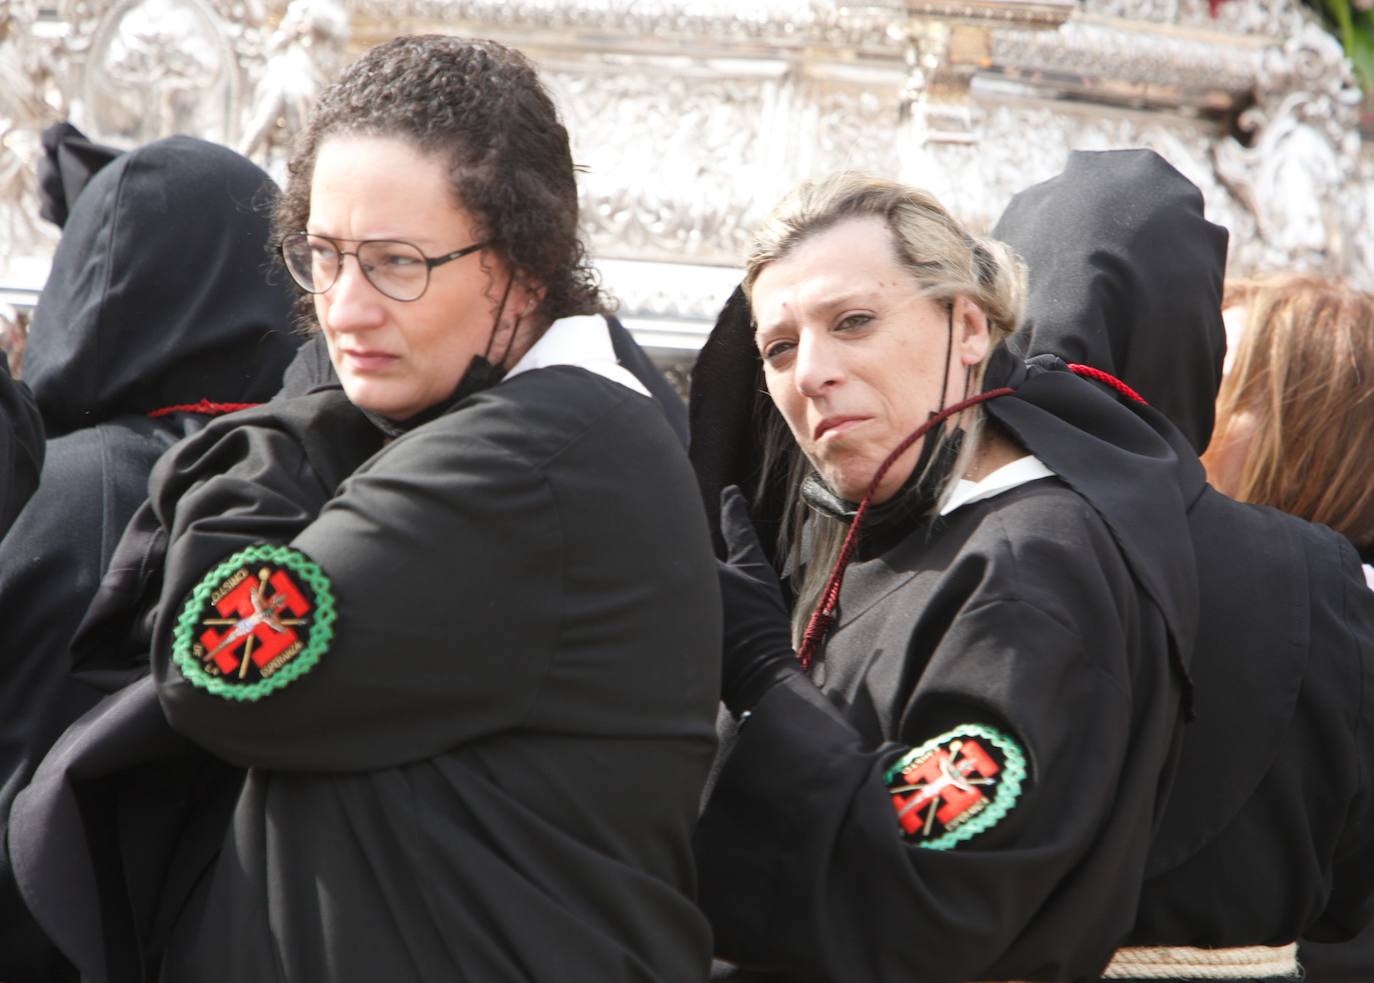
[455, 613]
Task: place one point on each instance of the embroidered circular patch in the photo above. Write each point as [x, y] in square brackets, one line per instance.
[955, 786]
[255, 623]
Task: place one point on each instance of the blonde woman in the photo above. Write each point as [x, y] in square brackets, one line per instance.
[956, 775]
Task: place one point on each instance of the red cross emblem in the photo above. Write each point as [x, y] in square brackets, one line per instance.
[256, 624]
[940, 786]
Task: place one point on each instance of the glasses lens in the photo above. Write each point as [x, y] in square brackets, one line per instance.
[312, 261]
[397, 269]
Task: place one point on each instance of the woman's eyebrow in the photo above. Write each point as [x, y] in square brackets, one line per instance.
[823, 304]
[827, 303]
[762, 333]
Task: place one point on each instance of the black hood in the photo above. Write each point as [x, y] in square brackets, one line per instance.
[160, 292]
[1126, 276]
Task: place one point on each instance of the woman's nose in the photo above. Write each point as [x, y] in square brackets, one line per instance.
[817, 367]
[354, 304]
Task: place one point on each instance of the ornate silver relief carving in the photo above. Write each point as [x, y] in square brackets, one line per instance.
[857, 126]
[31, 97]
[1362, 247]
[683, 160]
[157, 67]
[674, 157]
[1266, 18]
[1126, 64]
[1023, 142]
[708, 23]
[1298, 179]
[692, 117]
[303, 54]
[1270, 18]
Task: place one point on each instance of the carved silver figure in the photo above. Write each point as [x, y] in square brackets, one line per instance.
[158, 67]
[29, 101]
[304, 53]
[1306, 146]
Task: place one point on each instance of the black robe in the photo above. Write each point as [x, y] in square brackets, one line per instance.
[1018, 614]
[157, 297]
[1269, 831]
[548, 800]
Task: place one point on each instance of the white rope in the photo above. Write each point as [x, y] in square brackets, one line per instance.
[1166, 962]
[1186, 963]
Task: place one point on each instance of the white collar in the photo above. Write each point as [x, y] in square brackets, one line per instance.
[1005, 478]
[584, 341]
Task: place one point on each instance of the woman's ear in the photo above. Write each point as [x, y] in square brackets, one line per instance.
[528, 295]
[972, 340]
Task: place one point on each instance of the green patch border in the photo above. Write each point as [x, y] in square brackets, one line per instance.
[318, 637]
[1008, 789]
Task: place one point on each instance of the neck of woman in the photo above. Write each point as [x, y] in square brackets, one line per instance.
[995, 450]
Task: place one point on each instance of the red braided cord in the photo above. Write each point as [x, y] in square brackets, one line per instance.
[1110, 380]
[204, 407]
[818, 625]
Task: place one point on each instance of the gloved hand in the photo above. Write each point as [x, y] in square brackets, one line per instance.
[758, 642]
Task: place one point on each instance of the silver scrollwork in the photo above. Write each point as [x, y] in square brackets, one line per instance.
[1299, 176]
[692, 117]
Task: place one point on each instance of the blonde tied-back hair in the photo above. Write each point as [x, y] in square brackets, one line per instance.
[946, 262]
[1304, 376]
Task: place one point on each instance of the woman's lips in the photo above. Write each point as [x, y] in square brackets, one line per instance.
[833, 426]
[369, 361]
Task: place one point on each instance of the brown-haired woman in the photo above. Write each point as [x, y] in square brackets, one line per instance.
[1296, 409]
[454, 613]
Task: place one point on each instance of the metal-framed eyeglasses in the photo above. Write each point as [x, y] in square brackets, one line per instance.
[398, 269]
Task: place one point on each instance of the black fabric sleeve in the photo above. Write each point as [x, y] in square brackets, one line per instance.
[21, 446]
[444, 549]
[804, 867]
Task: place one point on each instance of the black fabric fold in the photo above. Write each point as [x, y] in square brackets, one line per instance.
[1137, 475]
[1125, 269]
[729, 411]
[142, 313]
[70, 159]
[21, 446]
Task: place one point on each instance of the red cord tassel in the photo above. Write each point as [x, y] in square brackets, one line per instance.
[1108, 379]
[821, 620]
[204, 407]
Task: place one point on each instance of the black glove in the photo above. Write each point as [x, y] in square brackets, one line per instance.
[758, 641]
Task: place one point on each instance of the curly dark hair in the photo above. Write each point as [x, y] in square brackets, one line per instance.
[480, 107]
